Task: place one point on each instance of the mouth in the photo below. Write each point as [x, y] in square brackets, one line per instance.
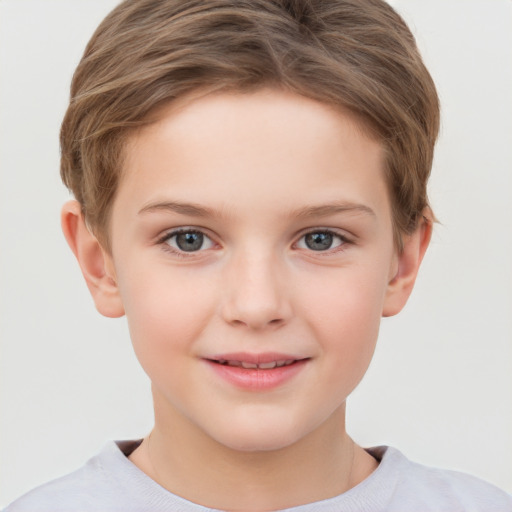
[257, 372]
[248, 365]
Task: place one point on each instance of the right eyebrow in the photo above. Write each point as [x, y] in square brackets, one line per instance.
[192, 209]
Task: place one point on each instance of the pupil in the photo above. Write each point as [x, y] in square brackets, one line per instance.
[319, 241]
[189, 241]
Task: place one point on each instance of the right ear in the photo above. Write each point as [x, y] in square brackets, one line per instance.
[96, 263]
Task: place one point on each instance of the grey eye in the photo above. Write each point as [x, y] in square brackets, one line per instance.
[189, 241]
[320, 241]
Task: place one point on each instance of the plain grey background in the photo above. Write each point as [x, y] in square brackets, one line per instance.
[439, 387]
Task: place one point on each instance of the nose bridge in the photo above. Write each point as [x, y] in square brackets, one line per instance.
[255, 290]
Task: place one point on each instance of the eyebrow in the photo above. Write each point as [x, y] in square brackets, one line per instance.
[196, 210]
[332, 209]
[192, 209]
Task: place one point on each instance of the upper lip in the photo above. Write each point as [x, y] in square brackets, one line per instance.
[263, 360]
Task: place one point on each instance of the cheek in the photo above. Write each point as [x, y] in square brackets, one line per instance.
[165, 314]
[345, 315]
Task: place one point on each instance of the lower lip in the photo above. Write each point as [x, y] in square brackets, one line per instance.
[256, 379]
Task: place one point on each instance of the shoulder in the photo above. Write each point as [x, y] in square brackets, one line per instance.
[418, 487]
[97, 484]
[109, 482]
[59, 494]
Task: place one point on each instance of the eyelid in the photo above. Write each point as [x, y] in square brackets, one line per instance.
[162, 239]
[346, 239]
[170, 233]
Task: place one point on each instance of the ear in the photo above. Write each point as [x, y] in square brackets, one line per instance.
[408, 263]
[96, 263]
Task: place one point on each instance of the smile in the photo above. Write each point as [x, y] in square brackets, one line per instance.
[259, 366]
[261, 372]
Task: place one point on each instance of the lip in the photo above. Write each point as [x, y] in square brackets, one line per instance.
[256, 379]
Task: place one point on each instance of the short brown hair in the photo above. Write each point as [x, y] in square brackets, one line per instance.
[357, 54]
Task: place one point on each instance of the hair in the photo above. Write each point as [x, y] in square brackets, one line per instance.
[355, 54]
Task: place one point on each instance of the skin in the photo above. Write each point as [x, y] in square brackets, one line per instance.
[254, 173]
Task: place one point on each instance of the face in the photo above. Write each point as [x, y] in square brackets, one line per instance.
[252, 248]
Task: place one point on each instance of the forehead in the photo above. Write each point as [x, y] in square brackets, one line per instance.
[264, 150]
[205, 112]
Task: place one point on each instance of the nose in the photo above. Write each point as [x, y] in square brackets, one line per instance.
[256, 293]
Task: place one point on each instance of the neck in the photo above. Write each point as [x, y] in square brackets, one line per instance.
[323, 464]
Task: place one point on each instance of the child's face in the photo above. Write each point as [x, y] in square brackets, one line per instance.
[253, 228]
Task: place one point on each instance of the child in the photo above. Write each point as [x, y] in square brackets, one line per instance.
[251, 192]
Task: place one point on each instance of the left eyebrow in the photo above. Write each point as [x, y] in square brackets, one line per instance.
[332, 209]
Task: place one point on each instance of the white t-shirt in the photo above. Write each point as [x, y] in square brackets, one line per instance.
[110, 482]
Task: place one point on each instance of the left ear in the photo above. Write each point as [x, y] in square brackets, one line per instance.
[408, 264]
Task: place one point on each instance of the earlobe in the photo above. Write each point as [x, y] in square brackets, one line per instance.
[408, 263]
[95, 262]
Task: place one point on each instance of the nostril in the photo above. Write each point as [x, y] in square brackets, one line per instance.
[274, 322]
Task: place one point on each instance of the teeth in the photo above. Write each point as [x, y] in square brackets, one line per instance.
[267, 366]
[249, 365]
[253, 366]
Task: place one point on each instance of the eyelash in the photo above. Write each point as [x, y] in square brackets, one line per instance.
[344, 241]
[163, 241]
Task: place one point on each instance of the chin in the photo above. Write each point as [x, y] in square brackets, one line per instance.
[258, 436]
[256, 444]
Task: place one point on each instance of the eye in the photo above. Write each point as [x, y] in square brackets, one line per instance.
[321, 240]
[188, 240]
